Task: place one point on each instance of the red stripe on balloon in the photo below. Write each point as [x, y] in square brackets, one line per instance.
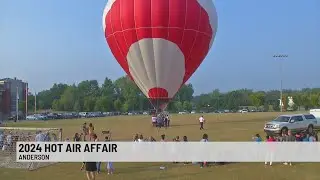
[157, 92]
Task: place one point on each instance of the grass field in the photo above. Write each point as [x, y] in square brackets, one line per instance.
[219, 127]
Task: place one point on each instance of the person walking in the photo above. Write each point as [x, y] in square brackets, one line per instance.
[201, 121]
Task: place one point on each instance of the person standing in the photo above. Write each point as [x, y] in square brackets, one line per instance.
[76, 137]
[85, 131]
[154, 120]
[204, 139]
[163, 139]
[140, 139]
[201, 121]
[136, 137]
[1, 140]
[91, 169]
[110, 168]
[257, 138]
[289, 138]
[165, 119]
[185, 139]
[98, 164]
[269, 157]
[91, 130]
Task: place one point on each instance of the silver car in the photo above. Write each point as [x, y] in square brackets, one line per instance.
[295, 123]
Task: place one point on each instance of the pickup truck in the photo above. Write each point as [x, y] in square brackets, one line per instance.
[295, 123]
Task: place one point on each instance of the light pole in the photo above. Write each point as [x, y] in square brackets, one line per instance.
[280, 57]
[27, 92]
[35, 102]
[17, 104]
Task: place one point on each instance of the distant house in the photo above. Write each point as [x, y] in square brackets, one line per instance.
[11, 91]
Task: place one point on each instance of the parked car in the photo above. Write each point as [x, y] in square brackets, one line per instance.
[41, 117]
[31, 117]
[145, 113]
[294, 122]
[243, 111]
[83, 114]
[20, 117]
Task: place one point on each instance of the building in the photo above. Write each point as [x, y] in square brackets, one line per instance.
[10, 90]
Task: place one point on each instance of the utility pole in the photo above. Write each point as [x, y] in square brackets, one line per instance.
[17, 104]
[35, 102]
[26, 114]
[281, 57]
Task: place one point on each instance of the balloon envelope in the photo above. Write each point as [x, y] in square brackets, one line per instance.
[160, 43]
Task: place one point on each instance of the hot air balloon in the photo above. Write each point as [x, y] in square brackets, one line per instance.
[160, 43]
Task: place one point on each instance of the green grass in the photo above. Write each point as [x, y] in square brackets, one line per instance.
[219, 127]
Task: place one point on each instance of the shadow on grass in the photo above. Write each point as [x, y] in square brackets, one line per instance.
[156, 167]
[183, 125]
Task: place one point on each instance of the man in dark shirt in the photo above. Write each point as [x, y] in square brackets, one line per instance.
[290, 137]
[282, 137]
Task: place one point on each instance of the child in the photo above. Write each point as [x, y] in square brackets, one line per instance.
[257, 138]
[110, 168]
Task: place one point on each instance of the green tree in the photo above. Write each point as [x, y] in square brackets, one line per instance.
[108, 88]
[297, 98]
[89, 104]
[178, 106]
[257, 99]
[68, 98]
[56, 105]
[22, 106]
[125, 107]
[187, 106]
[99, 106]
[306, 101]
[117, 105]
[314, 100]
[76, 106]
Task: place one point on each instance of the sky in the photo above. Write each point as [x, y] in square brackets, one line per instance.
[51, 41]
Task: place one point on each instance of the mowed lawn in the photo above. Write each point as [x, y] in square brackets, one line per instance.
[219, 127]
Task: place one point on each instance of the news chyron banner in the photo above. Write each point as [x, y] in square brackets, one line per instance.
[168, 151]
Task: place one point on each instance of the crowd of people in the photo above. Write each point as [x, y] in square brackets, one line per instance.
[287, 137]
[93, 168]
[161, 120]
[88, 134]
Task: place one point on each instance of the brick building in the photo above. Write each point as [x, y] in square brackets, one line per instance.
[8, 96]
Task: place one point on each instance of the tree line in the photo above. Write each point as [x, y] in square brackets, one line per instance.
[122, 95]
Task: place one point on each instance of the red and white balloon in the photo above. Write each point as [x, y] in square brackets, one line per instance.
[160, 43]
